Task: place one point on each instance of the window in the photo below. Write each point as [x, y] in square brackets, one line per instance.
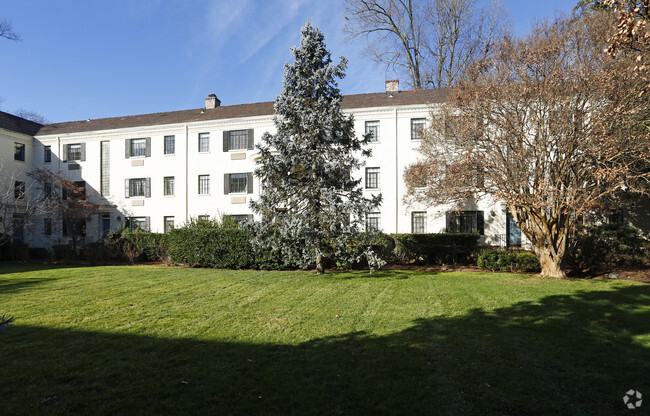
[74, 151]
[241, 218]
[204, 142]
[105, 172]
[47, 154]
[373, 221]
[18, 226]
[47, 190]
[138, 147]
[138, 187]
[238, 182]
[168, 186]
[47, 226]
[78, 191]
[203, 218]
[372, 127]
[138, 223]
[169, 224]
[417, 126]
[465, 222]
[170, 145]
[238, 139]
[74, 227]
[372, 178]
[19, 151]
[204, 184]
[19, 190]
[419, 222]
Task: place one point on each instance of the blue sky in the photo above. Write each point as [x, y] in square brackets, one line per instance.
[94, 59]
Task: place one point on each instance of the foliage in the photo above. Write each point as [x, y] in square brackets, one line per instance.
[444, 248]
[501, 260]
[62, 252]
[433, 41]
[610, 245]
[533, 126]
[99, 252]
[7, 30]
[309, 199]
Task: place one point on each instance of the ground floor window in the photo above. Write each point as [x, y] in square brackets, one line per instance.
[169, 224]
[373, 221]
[138, 223]
[465, 222]
[419, 222]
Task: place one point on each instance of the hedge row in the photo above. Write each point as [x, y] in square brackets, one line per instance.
[443, 248]
[501, 260]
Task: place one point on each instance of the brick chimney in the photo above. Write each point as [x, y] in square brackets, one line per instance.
[212, 102]
[392, 85]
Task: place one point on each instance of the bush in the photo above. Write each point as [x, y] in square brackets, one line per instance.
[610, 245]
[62, 252]
[98, 253]
[501, 260]
[443, 248]
[138, 245]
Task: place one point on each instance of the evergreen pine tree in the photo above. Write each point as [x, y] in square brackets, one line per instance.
[310, 201]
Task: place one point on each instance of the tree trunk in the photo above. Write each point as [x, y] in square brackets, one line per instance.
[320, 266]
[552, 264]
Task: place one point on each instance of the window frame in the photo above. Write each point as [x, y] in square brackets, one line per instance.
[19, 151]
[20, 189]
[417, 128]
[371, 125]
[167, 189]
[204, 184]
[47, 154]
[240, 137]
[465, 222]
[70, 153]
[167, 227]
[169, 145]
[416, 217]
[133, 187]
[204, 143]
[238, 180]
[372, 178]
[138, 147]
[369, 219]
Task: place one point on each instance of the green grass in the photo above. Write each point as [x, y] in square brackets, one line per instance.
[147, 340]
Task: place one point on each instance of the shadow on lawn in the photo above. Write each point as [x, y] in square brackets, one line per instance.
[566, 354]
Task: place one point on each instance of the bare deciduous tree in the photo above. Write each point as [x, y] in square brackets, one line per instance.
[19, 206]
[7, 31]
[533, 126]
[31, 115]
[434, 41]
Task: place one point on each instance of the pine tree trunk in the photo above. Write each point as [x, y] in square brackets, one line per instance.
[320, 266]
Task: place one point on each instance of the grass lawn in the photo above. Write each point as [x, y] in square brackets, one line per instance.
[148, 340]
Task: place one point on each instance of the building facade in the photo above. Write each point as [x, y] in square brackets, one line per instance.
[155, 171]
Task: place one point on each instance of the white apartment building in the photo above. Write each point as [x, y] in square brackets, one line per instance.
[157, 170]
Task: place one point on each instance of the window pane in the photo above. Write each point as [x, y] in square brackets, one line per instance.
[238, 139]
[204, 142]
[238, 182]
[74, 151]
[417, 125]
[418, 222]
[204, 184]
[169, 224]
[47, 154]
[170, 145]
[19, 151]
[137, 187]
[138, 147]
[373, 221]
[169, 185]
[372, 127]
[372, 178]
[138, 223]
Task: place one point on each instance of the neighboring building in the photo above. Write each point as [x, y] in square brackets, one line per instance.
[155, 171]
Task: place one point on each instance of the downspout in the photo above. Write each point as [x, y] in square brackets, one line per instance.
[187, 192]
[397, 176]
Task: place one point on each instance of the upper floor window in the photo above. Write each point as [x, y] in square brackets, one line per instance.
[19, 190]
[238, 183]
[419, 222]
[204, 142]
[140, 147]
[372, 128]
[168, 186]
[75, 151]
[417, 128]
[372, 178]
[170, 145]
[47, 154]
[373, 221]
[204, 184]
[238, 140]
[19, 151]
[465, 222]
[168, 223]
[77, 191]
[137, 187]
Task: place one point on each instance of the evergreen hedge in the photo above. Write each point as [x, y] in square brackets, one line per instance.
[443, 248]
[501, 260]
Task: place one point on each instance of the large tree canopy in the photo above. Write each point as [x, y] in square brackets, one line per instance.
[544, 126]
[309, 195]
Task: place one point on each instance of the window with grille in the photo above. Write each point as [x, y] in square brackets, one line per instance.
[203, 218]
[373, 221]
[137, 187]
[238, 182]
[105, 172]
[19, 151]
[238, 139]
[204, 184]
[372, 178]
[417, 127]
[19, 190]
[138, 147]
[47, 154]
[372, 128]
[74, 151]
[241, 218]
[168, 185]
[170, 145]
[465, 222]
[204, 142]
[138, 223]
[169, 224]
[419, 222]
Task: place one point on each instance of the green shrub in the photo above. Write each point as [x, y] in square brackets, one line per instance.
[610, 245]
[138, 245]
[62, 252]
[443, 248]
[98, 253]
[501, 260]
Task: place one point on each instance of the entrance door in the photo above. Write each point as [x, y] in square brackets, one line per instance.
[106, 225]
[513, 232]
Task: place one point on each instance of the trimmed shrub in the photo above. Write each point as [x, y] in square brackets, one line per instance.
[62, 252]
[443, 248]
[98, 253]
[504, 261]
[610, 245]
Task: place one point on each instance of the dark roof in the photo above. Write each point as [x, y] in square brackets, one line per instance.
[381, 99]
[18, 124]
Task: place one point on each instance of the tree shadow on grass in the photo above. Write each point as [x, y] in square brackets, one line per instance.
[574, 354]
[378, 274]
